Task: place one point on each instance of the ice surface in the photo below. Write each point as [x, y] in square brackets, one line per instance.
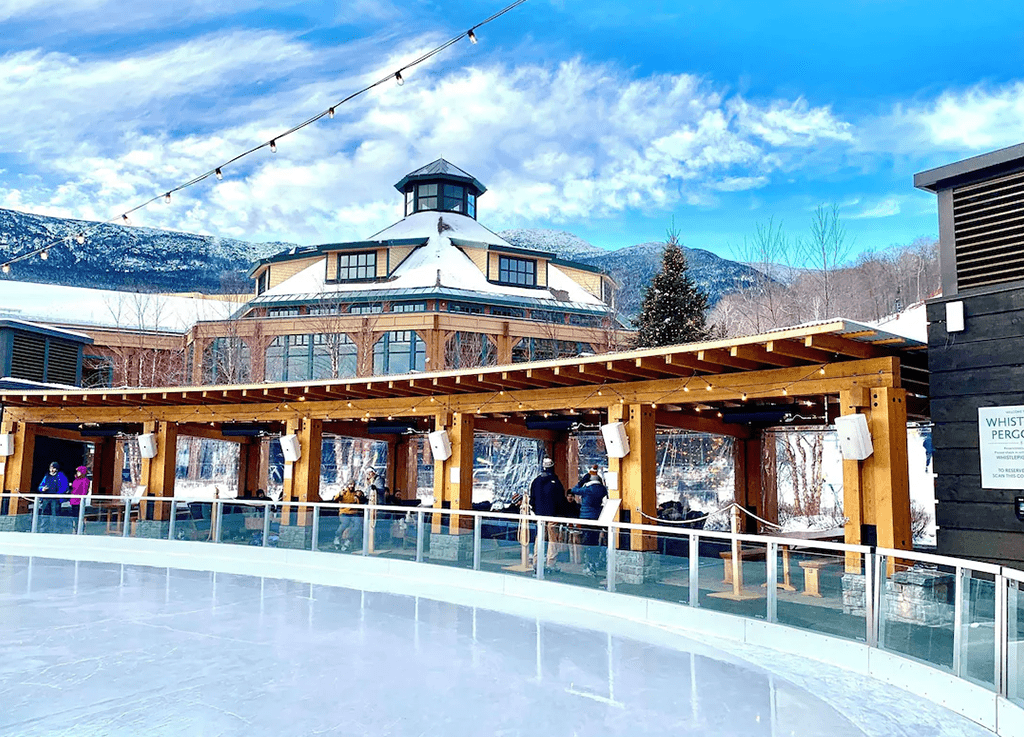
[95, 649]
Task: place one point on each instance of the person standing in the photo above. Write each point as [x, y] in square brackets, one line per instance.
[79, 489]
[592, 495]
[547, 498]
[54, 482]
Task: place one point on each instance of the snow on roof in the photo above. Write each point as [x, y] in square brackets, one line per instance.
[910, 323]
[79, 306]
[424, 225]
[437, 264]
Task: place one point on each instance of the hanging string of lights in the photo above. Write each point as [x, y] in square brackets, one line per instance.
[218, 171]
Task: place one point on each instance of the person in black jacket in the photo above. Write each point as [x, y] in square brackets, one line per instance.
[547, 498]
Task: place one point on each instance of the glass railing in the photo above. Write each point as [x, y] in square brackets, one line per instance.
[961, 617]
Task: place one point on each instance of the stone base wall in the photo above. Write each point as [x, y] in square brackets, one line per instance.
[16, 523]
[854, 599]
[450, 547]
[151, 529]
[637, 566]
[295, 537]
[920, 596]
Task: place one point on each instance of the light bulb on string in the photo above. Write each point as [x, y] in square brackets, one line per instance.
[330, 113]
[708, 387]
[80, 238]
[273, 147]
[785, 392]
[472, 37]
[398, 79]
[167, 198]
[125, 219]
[44, 254]
[7, 268]
[219, 173]
[744, 397]
[822, 371]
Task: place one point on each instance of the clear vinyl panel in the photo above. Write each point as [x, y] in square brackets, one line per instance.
[1015, 642]
[16, 513]
[978, 616]
[822, 590]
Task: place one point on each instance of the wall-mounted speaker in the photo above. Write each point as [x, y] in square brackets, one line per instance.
[440, 445]
[290, 448]
[616, 443]
[6, 445]
[147, 445]
[854, 437]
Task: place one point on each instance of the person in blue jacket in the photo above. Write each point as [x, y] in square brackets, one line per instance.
[592, 494]
[54, 482]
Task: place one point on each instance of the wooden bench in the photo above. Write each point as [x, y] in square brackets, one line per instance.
[747, 554]
[812, 568]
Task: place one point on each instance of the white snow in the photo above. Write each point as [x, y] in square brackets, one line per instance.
[911, 323]
[424, 225]
[61, 305]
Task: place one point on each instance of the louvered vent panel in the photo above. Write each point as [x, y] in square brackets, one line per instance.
[988, 222]
[63, 363]
[28, 355]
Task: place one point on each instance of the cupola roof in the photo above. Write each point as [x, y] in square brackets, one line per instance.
[440, 169]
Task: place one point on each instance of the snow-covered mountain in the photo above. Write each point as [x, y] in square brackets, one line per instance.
[126, 257]
[633, 267]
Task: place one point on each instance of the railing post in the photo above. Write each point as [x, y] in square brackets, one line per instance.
[694, 569]
[538, 550]
[314, 545]
[610, 566]
[419, 535]
[477, 532]
[772, 580]
[958, 620]
[81, 516]
[127, 517]
[173, 522]
[218, 510]
[1001, 648]
[367, 531]
[35, 515]
[1010, 657]
[870, 608]
[266, 526]
[878, 595]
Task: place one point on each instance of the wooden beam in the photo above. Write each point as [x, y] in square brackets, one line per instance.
[842, 346]
[797, 350]
[758, 355]
[694, 423]
[514, 427]
[720, 357]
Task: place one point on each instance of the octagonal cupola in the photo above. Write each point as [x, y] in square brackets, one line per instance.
[440, 185]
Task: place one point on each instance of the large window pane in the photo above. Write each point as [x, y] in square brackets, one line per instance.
[427, 197]
[274, 365]
[517, 271]
[357, 266]
[453, 197]
[298, 358]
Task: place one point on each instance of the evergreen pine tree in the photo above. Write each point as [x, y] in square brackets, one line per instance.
[674, 308]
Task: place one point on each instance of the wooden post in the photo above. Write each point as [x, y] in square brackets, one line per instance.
[18, 467]
[637, 472]
[850, 402]
[458, 475]
[104, 467]
[158, 471]
[302, 478]
[249, 462]
[406, 464]
[442, 421]
[560, 455]
[747, 479]
[887, 466]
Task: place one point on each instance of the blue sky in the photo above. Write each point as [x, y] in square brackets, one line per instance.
[606, 119]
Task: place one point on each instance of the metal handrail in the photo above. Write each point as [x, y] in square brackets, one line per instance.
[876, 563]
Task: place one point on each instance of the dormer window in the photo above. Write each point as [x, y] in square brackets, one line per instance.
[520, 272]
[357, 266]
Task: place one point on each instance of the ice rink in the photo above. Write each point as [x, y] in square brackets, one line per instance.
[104, 649]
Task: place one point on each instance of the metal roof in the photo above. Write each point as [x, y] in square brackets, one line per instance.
[975, 168]
[441, 169]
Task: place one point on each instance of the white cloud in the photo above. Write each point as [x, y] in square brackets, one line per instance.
[886, 207]
[557, 143]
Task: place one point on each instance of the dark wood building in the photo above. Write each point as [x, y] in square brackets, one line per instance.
[976, 352]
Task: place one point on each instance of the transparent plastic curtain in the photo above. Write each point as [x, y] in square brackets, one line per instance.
[205, 467]
[344, 460]
[503, 467]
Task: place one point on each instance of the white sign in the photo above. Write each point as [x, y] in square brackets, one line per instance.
[1001, 441]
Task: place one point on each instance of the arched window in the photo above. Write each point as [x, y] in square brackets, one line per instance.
[227, 361]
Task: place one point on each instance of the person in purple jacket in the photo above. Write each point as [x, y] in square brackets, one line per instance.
[79, 488]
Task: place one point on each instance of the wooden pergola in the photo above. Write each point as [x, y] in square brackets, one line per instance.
[736, 387]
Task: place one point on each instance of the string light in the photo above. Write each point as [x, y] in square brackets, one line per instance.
[822, 371]
[167, 198]
[80, 238]
[785, 392]
[44, 255]
[744, 397]
[328, 113]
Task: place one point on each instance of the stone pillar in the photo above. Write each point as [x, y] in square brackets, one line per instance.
[158, 478]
